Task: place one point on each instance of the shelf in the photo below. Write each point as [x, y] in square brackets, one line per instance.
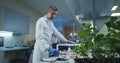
[66, 45]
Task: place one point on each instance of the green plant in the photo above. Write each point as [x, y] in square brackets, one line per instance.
[101, 46]
[86, 45]
[86, 35]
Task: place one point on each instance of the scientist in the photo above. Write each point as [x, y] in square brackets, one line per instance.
[44, 31]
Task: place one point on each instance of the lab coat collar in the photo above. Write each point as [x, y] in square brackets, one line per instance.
[46, 18]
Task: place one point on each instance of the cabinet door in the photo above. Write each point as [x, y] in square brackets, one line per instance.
[16, 22]
[24, 24]
[10, 21]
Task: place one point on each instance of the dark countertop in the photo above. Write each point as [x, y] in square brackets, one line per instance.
[13, 48]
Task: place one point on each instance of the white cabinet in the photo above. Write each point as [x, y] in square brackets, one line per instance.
[15, 22]
[24, 24]
[11, 21]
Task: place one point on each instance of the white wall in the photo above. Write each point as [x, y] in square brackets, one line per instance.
[99, 23]
[103, 30]
[20, 7]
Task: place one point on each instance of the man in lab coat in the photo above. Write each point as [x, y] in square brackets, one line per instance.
[44, 31]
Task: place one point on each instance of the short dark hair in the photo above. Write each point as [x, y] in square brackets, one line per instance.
[54, 8]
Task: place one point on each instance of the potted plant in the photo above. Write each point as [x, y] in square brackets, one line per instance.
[86, 45]
[104, 48]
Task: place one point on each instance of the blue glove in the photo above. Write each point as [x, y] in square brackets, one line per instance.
[70, 42]
[55, 52]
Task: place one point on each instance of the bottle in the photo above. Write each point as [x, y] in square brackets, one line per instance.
[69, 52]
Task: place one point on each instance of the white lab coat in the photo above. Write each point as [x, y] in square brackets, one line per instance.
[54, 39]
[44, 31]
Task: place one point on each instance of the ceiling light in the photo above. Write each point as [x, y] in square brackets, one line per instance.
[115, 14]
[114, 8]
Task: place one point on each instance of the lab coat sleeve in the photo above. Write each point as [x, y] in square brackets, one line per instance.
[58, 34]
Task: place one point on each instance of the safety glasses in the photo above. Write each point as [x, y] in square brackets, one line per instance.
[54, 12]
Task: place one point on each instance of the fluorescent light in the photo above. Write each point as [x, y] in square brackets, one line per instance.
[114, 8]
[115, 14]
[5, 33]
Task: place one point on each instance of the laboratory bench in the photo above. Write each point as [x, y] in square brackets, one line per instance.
[9, 53]
[70, 60]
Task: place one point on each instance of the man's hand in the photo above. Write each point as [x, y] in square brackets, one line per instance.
[55, 52]
[70, 42]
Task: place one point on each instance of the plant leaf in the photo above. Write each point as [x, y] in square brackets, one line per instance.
[99, 37]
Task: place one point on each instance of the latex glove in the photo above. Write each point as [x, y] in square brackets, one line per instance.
[70, 42]
[55, 52]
